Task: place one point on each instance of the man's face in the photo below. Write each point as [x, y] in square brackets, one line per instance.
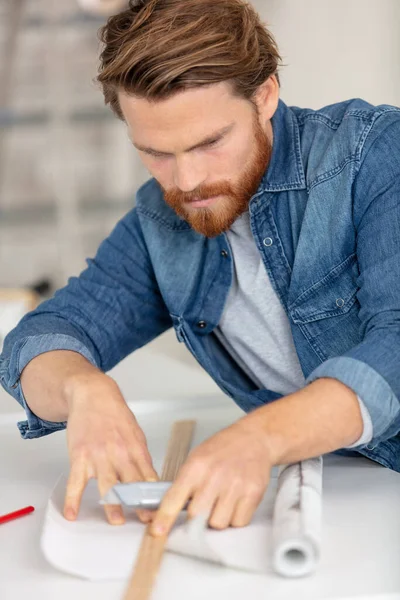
[206, 148]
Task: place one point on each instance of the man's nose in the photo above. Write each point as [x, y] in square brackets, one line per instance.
[189, 174]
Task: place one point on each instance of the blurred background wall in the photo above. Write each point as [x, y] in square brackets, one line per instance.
[67, 171]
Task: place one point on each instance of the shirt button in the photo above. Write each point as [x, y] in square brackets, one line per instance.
[370, 447]
[224, 253]
[15, 385]
[201, 324]
[340, 302]
[267, 241]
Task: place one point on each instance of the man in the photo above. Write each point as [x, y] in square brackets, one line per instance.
[268, 238]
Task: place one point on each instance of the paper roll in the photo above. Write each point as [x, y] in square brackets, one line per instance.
[284, 535]
[296, 529]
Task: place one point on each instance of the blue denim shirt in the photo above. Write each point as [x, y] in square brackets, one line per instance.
[330, 203]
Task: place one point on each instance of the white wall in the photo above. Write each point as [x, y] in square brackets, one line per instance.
[336, 49]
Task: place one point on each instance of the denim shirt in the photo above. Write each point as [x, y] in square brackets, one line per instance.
[326, 221]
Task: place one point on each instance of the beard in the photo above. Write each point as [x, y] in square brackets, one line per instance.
[213, 220]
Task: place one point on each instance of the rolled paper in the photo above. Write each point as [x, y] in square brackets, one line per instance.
[296, 525]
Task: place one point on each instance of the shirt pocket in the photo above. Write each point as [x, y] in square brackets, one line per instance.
[327, 312]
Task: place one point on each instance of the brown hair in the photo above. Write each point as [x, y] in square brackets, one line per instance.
[156, 48]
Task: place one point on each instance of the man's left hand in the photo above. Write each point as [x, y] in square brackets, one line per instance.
[225, 478]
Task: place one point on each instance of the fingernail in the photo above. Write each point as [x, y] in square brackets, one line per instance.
[145, 518]
[70, 514]
[148, 517]
[117, 518]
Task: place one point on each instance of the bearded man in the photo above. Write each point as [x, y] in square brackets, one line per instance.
[268, 237]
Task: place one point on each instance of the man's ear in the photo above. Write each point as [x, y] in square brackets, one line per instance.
[267, 98]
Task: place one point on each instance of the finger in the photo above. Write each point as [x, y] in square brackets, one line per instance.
[171, 505]
[141, 457]
[128, 473]
[76, 484]
[223, 511]
[248, 503]
[145, 515]
[202, 503]
[106, 479]
[244, 511]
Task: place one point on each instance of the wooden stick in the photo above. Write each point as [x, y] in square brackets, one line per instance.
[152, 548]
[178, 448]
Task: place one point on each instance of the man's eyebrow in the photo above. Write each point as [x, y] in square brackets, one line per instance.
[210, 138]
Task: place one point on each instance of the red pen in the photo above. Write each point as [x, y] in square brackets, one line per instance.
[15, 515]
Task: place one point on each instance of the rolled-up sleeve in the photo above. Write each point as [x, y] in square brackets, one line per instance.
[23, 353]
[110, 310]
[372, 368]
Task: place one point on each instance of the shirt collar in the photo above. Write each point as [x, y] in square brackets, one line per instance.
[285, 170]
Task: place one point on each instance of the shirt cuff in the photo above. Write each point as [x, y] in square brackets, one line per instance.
[33, 346]
[368, 384]
[368, 432]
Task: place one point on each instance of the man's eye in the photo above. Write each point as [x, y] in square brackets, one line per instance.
[212, 143]
[157, 155]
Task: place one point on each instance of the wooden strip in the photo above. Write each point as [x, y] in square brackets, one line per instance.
[152, 549]
[178, 448]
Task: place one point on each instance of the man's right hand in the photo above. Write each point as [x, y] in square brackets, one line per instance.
[104, 442]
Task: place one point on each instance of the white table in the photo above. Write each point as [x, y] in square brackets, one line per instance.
[29, 469]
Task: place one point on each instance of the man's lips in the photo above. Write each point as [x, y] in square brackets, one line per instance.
[197, 203]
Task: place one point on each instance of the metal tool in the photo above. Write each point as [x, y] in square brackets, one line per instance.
[139, 494]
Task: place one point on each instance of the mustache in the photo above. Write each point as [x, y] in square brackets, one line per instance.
[201, 193]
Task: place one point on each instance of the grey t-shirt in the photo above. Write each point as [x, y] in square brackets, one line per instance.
[254, 327]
